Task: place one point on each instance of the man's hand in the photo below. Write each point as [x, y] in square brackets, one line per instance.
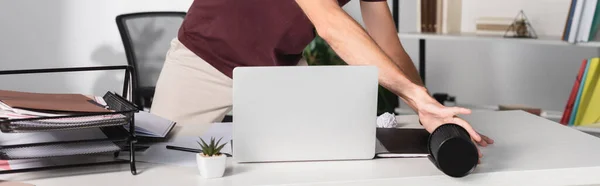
[432, 114]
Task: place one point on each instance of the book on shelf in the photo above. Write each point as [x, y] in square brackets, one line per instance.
[493, 25]
[588, 89]
[582, 21]
[439, 16]
[583, 105]
[451, 16]
[571, 101]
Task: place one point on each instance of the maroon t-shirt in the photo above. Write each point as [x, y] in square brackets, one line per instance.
[231, 33]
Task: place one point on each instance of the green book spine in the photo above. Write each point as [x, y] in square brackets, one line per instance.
[595, 23]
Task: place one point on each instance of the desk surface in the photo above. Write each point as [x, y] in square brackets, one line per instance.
[528, 149]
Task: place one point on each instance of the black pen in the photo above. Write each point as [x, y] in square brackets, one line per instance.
[185, 149]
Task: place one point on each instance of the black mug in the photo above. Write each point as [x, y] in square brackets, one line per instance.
[452, 151]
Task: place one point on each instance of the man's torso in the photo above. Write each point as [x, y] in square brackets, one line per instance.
[231, 33]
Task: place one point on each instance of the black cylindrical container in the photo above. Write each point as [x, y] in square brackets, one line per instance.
[452, 150]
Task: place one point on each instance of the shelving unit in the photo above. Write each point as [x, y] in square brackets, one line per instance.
[112, 124]
[541, 40]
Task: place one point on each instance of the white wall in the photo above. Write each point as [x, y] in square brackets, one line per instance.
[502, 72]
[353, 9]
[72, 33]
[67, 33]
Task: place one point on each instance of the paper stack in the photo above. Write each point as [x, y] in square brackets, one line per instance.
[53, 107]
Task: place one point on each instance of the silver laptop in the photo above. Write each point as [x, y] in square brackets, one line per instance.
[304, 113]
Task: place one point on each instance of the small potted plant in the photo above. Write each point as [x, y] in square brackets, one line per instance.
[211, 162]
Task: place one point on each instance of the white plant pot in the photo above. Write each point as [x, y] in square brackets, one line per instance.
[211, 167]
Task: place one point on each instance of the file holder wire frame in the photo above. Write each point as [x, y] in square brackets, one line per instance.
[126, 108]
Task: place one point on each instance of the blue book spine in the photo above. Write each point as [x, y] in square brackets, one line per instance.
[569, 20]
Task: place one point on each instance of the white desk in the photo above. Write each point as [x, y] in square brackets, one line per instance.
[529, 150]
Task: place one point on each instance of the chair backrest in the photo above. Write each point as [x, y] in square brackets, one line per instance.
[146, 38]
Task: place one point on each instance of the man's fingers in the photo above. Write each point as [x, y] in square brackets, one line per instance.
[480, 156]
[469, 129]
[460, 110]
[483, 143]
[487, 139]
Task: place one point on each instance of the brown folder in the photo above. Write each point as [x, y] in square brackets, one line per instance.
[50, 102]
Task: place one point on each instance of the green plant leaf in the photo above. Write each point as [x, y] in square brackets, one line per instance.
[204, 145]
[205, 151]
[218, 150]
[217, 144]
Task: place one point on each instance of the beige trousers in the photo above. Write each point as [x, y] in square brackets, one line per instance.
[191, 92]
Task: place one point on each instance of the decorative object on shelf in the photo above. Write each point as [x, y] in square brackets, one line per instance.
[318, 52]
[521, 28]
[211, 162]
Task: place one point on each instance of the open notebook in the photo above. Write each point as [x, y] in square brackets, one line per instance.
[401, 142]
[152, 126]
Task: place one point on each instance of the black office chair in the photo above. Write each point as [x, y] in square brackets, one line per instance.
[146, 38]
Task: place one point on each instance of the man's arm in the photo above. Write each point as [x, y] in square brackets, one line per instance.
[352, 43]
[380, 25]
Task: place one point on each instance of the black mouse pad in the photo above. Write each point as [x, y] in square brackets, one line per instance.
[398, 142]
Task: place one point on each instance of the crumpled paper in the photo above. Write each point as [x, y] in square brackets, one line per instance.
[386, 120]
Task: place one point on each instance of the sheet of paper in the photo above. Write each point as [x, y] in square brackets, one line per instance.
[35, 163]
[58, 150]
[39, 137]
[14, 183]
[158, 153]
[55, 150]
